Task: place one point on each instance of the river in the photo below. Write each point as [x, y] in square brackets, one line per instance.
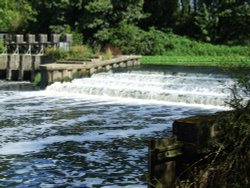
[94, 132]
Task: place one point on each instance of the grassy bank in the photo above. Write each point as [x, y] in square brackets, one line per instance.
[196, 60]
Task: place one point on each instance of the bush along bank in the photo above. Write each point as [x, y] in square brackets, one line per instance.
[132, 39]
[165, 48]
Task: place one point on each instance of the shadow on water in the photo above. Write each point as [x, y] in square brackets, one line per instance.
[17, 86]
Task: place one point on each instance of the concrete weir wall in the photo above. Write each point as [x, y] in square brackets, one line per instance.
[51, 73]
[19, 66]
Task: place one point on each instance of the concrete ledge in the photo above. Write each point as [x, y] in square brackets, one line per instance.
[55, 66]
[76, 69]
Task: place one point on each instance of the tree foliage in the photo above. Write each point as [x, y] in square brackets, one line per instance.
[15, 15]
[213, 21]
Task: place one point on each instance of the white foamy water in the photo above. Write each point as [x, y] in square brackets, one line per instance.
[178, 88]
[93, 132]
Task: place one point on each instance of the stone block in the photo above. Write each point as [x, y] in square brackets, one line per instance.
[93, 71]
[129, 63]
[196, 132]
[68, 38]
[162, 161]
[30, 38]
[108, 67]
[115, 65]
[123, 65]
[55, 38]
[57, 75]
[136, 62]
[19, 39]
[43, 38]
[26, 62]
[8, 38]
[13, 62]
[3, 62]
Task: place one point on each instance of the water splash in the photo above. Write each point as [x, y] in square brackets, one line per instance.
[186, 88]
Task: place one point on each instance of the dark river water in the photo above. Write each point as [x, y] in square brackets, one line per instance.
[94, 132]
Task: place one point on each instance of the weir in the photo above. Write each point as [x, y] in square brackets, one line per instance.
[20, 66]
[68, 70]
[185, 88]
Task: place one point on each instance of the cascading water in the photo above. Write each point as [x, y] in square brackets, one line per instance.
[93, 132]
[186, 88]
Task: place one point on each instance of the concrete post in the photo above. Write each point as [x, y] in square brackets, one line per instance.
[50, 77]
[30, 39]
[3, 62]
[66, 74]
[108, 67]
[162, 162]
[55, 39]
[123, 65]
[129, 63]
[136, 62]
[68, 38]
[43, 40]
[100, 69]
[115, 65]
[12, 64]
[8, 69]
[44, 77]
[21, 68]
[92, 71]
[32, 72]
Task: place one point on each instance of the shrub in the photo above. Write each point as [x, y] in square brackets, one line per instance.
[56, 54]
[37, 80]
[107, 55]
[133, 40]
[80, 52]
[229, 159]
[1, 45]
[76, 52]
[77, 39]
[128, 38]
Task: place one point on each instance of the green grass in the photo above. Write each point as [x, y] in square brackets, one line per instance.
[217, 61]
[37, 80]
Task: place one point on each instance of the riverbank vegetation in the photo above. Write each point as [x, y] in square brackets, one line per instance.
[227, 165]
[189, 60]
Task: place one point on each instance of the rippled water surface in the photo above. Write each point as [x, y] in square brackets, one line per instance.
[94, 132]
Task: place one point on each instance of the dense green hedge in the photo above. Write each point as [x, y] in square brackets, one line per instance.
[132, 39]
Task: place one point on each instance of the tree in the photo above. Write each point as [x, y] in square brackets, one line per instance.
[216, 21]
[15, 15]
[206, 23]
[162, 13]
[96, 18]
[101, 17]
[50, 13]
[234, 23]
